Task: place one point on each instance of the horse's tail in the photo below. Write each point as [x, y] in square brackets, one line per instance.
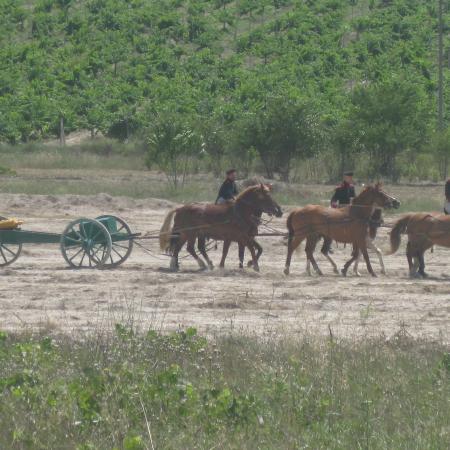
[395, 235]
[166, 231]
[290, 227]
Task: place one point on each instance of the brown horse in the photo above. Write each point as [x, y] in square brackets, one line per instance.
[423, 230]
[349, 224]
[375, 222]
[229, 222]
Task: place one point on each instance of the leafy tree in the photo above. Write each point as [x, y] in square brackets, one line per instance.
[441, 146]
[172, 141]
[282, 130]
[389, 117]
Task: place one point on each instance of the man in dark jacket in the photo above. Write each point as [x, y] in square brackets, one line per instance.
[228, 190]
[447, 197]
[345, 192]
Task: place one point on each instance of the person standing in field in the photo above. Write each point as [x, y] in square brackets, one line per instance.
[228, 190]
[447, 197]
[345, 192]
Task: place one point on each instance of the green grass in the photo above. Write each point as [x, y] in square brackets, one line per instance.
[97, 154]
[135, 390]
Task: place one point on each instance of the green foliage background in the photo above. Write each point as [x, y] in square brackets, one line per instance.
[223, 66]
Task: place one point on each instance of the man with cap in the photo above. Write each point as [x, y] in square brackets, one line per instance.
[228, 190]
[345, 192]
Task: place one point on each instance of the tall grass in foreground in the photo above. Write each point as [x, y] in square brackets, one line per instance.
[146, 390]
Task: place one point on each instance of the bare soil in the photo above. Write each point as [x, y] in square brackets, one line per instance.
[39, 290]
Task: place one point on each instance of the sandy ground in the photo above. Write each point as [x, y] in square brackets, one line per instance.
[39, 290]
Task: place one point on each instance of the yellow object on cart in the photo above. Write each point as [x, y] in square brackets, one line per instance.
[10, 224]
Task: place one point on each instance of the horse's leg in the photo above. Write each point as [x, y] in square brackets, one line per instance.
[355, 253]
[409, 257]
[225, 248]
[308, 267]
[367, 259]
[202, 249]
[251, 247]
[325, 250]
[241, 255]
[178, 243]
[379, 253]
[355, 266]
[293, 243]
[422, 264]
[311, 242]
[259, 251]
[191, 250]
[413, 261]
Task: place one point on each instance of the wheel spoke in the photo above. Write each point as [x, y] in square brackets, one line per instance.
[99, 232]
[7, 249]
[117, 253]
[93, 258]
[73, 240]
[83, 230]
[4, 257]
[115, 244]
[81, 262]
[74, 230]
[76, 254]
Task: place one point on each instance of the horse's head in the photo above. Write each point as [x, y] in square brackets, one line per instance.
[374, 195]
[259, 198]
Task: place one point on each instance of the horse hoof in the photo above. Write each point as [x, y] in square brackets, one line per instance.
[357, 274]
[256, 268]
[344, 273]
[286, 271]
[250, 264]
[383, 272]
[336, 271]
[211, 266]
[241, 266]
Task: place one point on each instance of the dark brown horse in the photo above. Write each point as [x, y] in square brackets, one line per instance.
[376, 220]
[229, 222]
[423, 230]
[349, 224]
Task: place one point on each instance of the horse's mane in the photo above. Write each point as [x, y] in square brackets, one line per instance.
[247, 191]
[369, 187]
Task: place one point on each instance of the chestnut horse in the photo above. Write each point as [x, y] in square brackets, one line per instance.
[375, 222]
[228, 222]
[423, 230]
[349, 224]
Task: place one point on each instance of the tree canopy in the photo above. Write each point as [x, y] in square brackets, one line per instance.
[293, 71]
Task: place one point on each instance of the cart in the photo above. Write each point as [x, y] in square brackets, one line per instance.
[103, 243]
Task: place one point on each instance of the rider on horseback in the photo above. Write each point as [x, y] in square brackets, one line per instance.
[228, 191]
[345, 192]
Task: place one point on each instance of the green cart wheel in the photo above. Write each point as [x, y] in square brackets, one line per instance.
[8, 252]
[86, 243]
[122, 243]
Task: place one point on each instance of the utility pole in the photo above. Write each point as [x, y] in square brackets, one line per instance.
[440, 99]
[441, 69]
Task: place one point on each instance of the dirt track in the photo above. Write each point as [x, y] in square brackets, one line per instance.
[38, 290]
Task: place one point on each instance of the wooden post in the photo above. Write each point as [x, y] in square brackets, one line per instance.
[62, 137]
